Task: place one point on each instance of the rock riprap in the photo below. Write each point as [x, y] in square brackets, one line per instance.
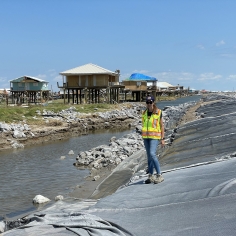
[119, 149]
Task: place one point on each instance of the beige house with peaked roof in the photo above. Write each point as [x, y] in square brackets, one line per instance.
[91, 82]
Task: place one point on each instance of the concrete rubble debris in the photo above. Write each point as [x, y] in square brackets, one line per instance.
[71, 152]
[38, 199]
[59, 197]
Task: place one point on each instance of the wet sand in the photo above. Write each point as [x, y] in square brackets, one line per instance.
[86, 189]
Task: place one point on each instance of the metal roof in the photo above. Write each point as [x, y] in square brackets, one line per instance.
[20, 79]
[163, 85]
[88, 69]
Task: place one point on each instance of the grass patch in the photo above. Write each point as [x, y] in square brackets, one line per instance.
[11, 114]
[15, 114]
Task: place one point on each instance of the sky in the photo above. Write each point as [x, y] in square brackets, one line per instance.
[187, 42]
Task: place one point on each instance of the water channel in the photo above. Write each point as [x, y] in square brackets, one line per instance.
[39, 169]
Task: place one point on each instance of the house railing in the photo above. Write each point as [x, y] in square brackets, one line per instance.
[65, 85]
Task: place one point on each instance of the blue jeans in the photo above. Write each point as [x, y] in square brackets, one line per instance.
[151, 148]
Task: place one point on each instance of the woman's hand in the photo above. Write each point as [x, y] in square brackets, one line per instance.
[163, 142]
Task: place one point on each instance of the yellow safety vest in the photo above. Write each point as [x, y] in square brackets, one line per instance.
[151, 127]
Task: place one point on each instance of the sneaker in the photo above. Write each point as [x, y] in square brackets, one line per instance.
[150, 179]
[159, 178]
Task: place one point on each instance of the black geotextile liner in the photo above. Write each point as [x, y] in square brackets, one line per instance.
[198, 196]
[214, 108]
[193, 201]
[204, 139]
[67, 221]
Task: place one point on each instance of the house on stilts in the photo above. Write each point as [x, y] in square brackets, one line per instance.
[90, 83]
[140, 85]
[28, 89]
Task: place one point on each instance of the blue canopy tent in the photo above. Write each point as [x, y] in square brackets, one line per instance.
[137, 76]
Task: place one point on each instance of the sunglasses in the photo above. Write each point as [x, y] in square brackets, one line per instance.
[148, 102]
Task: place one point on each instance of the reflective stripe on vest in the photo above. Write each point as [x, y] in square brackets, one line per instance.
[151, 127]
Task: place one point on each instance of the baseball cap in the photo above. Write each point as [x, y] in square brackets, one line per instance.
[150, 98]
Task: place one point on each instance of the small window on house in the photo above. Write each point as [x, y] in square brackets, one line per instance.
[20, 84]
[35, 84]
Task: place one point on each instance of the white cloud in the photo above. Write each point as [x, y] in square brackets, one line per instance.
[40, 76]
[186, 76]
[231, 77]
[4, 83]
[209, 76]
[58, 78]
[227, 55]
[2, 79]
[220, 43]
[52, 72]
[124, 76]
[141, 71]
[174, 76]
[200, 46]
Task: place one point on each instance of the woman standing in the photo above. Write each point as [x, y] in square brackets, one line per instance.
[152, 133]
